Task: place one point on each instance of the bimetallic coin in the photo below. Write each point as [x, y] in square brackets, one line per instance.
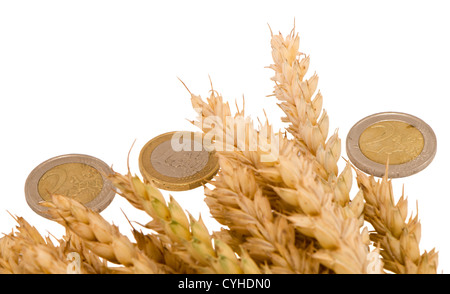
[78, 176]
[407, 142]
[177, 161]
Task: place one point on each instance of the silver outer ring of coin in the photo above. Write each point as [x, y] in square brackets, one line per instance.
[99, 203]
[395, 171]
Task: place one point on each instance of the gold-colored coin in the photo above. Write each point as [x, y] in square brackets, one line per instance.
[81, 177]
[79, 181]
[177, 161]
[403, 140]
[394, 140]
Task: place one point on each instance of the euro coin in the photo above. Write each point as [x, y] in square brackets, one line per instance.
[177, 161]
[81, 177]
[402, 141]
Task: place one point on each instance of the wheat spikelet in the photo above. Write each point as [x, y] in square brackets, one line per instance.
[398, 237]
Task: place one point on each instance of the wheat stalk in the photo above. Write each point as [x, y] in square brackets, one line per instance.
[398, 237]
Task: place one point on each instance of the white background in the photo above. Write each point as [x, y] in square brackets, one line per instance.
[93, 76]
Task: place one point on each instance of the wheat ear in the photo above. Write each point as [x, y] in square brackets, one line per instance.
[398, 237]
[308, 123]
[99, 236]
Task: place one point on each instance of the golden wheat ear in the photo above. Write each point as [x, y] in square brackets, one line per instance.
[397, 236]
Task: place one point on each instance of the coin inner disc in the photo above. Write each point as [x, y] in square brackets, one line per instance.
[396, 140]
[79, 181]
[179, 164]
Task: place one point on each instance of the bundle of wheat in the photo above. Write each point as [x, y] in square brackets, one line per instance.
[288, 211]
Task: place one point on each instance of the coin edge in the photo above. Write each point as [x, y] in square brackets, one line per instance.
[98, 204]
[163, 182]
[395, 171]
